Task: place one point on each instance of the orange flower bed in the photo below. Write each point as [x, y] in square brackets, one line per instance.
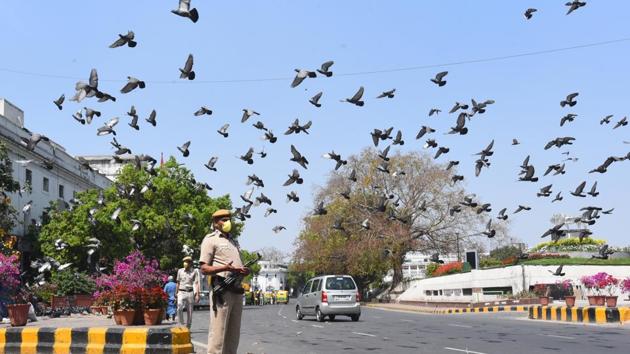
[448, 268]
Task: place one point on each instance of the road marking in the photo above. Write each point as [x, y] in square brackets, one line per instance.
[411, 321]
[364, 334]
[459, 325]
[318, 326]
[296, 321]
[199, 344]
[463, 350]
[556, 336]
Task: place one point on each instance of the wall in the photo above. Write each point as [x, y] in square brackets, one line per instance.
[517, 277]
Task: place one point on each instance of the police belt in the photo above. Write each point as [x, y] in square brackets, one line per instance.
[217, 297]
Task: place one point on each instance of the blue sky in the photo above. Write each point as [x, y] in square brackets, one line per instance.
[241, 40]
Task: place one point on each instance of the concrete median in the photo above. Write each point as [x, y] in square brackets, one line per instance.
[599, 315]
[92, 340]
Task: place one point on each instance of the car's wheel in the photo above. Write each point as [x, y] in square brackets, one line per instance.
[331, 317]
[298, 313]
[354, 318]
[319, 315]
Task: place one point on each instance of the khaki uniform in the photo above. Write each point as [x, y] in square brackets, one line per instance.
[225, 322]
[186, 295]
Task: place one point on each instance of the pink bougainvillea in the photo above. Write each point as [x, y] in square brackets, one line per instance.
[599, 282]
[625, 285]
[135, 271]
[9, 274]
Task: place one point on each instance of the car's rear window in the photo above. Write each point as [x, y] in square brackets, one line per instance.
[340, 283]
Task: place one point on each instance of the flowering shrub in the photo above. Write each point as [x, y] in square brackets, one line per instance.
[541, 289]
[599, 282]
[448, 268]
[9, 274]
[587, 244]
[566, 285]
[154, 298]
[129, 278]
[625, 285]
[512, 260]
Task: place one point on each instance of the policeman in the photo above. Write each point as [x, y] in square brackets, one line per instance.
[187, 290]
[220, 257]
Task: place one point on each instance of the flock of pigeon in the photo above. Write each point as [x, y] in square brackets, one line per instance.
[465, 113]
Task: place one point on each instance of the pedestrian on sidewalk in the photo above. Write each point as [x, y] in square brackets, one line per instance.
[187, 291]
[170, 289]
[220, 257]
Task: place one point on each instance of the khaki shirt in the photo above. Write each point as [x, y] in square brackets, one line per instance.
[186, 279]
[217, 250]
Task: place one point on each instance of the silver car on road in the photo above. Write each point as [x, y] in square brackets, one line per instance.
[329, 295]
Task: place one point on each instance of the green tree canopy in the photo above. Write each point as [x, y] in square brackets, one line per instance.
[159, 214]
[7, 185]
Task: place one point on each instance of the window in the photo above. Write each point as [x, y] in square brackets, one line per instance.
[307, 287]
[467, 292]
[45, 184]
[435, 293]
[29, 177]
[340, 283]
[61, 191]
[317, 285]
[428, 292]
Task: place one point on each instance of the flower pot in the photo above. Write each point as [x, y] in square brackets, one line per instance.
[152, 316]
[611, 301]
[138, 320]
[126, 317]
[105, 310]
[96, 310]
[569, 300]
[18, 314]
[544, 300]
[596, 300]
[162, 316]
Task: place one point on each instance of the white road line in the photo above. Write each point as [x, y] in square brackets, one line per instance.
[364, 334]
[318, 326]
[459, 325]
[411, 321]
[296, 321]
[199, 344]
[556, 336]
[463, 350]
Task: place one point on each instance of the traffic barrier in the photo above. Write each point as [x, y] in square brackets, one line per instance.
[485, 309]
[580, 314]
[448, 311]
[95, 340]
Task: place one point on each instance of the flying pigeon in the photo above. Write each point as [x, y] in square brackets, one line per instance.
[187, 71]
[315, 99]
[439, 78]
[59, 102]
[529, 13]
[184, 10]
[184, 148]
[325, 68]
[123, 39]
[300, 75]
[132, 84]
[356, 99]
[388, 94]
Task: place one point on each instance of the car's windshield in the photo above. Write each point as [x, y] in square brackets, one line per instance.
[340, 283]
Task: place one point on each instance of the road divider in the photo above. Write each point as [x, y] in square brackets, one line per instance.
[448, 311]
[132, 340]
[580, 314]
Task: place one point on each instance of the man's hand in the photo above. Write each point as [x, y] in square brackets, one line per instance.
[238, 270]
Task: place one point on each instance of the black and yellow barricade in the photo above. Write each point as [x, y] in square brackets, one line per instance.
[580, 314]
[95, 340]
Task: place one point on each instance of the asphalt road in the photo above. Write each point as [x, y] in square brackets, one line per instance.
[274, 329]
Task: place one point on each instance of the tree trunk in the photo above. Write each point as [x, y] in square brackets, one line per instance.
[398, 257]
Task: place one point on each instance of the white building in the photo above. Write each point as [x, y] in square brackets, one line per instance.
[495, 284]
[46, 174]
[107, 166]
[272, 276]
[415, 264]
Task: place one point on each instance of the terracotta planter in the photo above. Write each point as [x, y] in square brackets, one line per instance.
[569, 300]
[138, 320]
[611, 301]
[596, 300]
[162, 316]
[544, 300]
[18, 314]
[96, 310]
[105, 310]
[125, 317]
[152, 316]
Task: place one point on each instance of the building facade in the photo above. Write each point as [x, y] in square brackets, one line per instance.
[272, 276]
[107, 166]
[46, 174]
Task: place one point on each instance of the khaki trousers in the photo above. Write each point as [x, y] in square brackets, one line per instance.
[225, 325]
[185, 303]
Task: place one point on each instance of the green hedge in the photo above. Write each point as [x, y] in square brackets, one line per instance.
[71, 282]
[570, 244]
[578, 261]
